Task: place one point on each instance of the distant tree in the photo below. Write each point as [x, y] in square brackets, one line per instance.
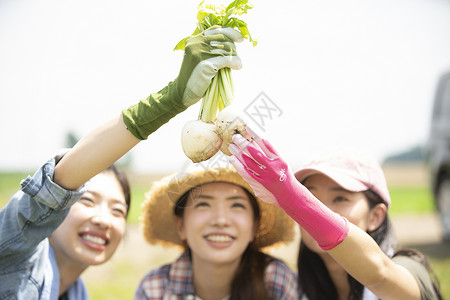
[415, 154]
[71, 139]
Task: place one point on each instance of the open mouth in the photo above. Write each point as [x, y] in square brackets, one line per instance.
[94, 239]
[219, 238]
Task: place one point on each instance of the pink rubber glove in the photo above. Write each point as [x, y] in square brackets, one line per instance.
[273, 181]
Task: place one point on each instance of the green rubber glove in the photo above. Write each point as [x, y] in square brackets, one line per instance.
[204, 55]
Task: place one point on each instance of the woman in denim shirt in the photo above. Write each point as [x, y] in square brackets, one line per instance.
[56, 226]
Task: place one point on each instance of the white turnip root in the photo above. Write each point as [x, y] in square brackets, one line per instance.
[229, 122]
[200, 140]
[202, 144]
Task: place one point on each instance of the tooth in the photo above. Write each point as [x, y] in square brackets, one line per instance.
[219, 238]
[94, 239]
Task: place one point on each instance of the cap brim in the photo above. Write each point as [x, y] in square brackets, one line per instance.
[344, 180]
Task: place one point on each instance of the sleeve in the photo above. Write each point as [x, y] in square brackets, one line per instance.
[281, 281]
[33, 213]
[421, 275]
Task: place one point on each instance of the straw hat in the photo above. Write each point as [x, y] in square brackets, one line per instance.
[157, 221]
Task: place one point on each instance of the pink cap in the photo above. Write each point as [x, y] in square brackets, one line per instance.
[352, 171]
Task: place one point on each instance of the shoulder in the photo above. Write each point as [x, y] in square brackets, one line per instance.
[419, 272]
[154, 283]
[280, 280]
[156, 277]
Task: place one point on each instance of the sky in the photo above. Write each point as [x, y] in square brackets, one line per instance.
[360, 74]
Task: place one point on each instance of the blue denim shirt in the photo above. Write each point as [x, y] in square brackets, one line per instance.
[28, 267]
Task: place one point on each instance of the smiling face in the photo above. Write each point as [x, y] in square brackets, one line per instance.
[218, 223]
[95, 224]
[352, 205]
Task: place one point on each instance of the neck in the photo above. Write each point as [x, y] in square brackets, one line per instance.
[338, 275]
[69, 272]
[213, 281]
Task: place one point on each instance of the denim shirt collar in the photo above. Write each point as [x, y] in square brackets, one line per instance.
[76, 291]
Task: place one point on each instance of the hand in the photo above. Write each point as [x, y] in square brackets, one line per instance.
[256, 160]
[205, 54]
[239, 148]
[273, 181]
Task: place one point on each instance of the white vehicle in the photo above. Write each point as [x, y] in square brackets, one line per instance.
[438, 149]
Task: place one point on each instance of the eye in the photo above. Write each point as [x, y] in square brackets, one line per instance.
[201, 204]
[118, 211]
[340, 199]
[239, 205]
[86, 201]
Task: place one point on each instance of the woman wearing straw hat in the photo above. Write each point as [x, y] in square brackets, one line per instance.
[222, 226]
[346, 249]
[56, 226]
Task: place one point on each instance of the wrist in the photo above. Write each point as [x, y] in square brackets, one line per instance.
[146, 116]
[328, 228]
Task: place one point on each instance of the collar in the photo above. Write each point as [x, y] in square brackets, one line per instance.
[180, 276]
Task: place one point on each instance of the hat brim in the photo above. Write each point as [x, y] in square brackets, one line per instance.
[157, 221]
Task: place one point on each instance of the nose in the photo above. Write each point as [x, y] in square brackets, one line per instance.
[101, 217]
[221, 217]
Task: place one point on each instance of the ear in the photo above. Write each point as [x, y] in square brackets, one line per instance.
[376, 217]
[180, 227]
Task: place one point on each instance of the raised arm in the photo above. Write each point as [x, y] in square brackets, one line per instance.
[274, 182]
[94, 153]
[362, 258]
[205, 54]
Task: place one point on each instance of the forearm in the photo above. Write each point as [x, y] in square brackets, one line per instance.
[94, 153]
[325, 226]
[363, 259]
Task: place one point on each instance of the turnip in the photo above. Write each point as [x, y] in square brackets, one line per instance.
[201, 139]
[229, 122]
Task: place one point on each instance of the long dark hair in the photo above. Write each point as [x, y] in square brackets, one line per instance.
[313, 275]
[248, 282]
[120, 175]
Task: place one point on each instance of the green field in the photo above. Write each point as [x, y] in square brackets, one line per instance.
[121, 278]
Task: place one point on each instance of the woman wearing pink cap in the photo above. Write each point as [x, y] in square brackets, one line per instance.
[340, 202]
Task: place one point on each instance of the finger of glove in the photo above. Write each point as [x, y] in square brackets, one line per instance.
[250, 148]
[240, 141]
[236, 151]
[268, 151]
[198, 82]
[239, 166]
[239, 153]
[259, 190]
[243, 170]
[219, 62]
[224, 48]
[254, 166]
[231, 33]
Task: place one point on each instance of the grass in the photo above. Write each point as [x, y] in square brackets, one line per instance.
[9, 184]
[441, 267]
[121, 278]
[411, 200]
